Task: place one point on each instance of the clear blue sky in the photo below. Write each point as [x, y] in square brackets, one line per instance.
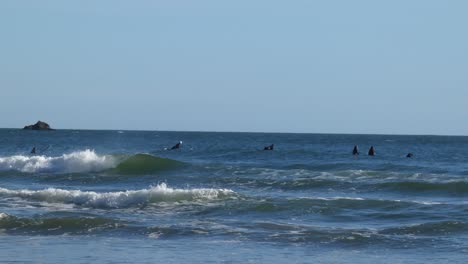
[393, 67]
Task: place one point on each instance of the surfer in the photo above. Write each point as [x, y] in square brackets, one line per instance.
[33, 150]
[371, 151]
[409, 155]
[177, 146]
[355, 150]
[269, 147]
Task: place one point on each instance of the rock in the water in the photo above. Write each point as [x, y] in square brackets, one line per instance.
[39, 126]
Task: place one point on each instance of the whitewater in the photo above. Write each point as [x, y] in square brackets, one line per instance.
[79, 161]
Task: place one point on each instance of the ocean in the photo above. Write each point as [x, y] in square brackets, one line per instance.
[123, 197]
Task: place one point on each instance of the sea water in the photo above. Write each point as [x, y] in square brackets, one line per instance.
[122, 197]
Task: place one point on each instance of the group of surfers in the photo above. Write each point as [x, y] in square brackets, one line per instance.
[371, 151]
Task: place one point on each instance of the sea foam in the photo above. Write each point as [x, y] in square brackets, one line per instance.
[121, 199]
[79, 161]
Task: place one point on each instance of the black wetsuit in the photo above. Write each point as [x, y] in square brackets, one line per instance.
[269, 147]
[355, 151]
[371, 151]
[177, 146]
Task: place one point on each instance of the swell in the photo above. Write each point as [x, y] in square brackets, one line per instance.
[334, 208]
[431, 229]
[428, 228]
[454, 187]
[57, 226]
[355, 180]
[403, 236]
[300, 184]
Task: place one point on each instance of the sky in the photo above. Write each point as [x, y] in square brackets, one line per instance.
[367, 67]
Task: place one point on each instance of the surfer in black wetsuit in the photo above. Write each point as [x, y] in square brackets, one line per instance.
[371, 151]
[271, 147]
[355, 150]
[409, 155]
[33, 150]
[177, 146]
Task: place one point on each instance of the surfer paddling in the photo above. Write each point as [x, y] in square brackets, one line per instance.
[35, 151]
[177, 146]
[371, 151]
[271, 147]
[355, 150]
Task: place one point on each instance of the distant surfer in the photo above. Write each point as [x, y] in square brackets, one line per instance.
[33, 150]
[355, 151]
[371, 151]
[271, 147]
[409, 155]
[177, 146]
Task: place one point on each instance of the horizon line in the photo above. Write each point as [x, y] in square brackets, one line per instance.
[251, 132]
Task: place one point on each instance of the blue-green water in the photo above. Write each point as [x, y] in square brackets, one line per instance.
[119, 196]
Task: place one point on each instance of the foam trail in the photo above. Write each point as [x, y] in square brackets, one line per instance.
[79, 161]
[158, 194]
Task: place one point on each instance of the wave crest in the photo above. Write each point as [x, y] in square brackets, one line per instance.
[89, 161]
[79, 161]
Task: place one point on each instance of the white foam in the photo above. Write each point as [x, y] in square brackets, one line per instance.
[427, 202]
[123, 199]
[79, 161]
[340, 198]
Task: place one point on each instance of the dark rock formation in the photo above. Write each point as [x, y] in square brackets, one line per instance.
[39, 126]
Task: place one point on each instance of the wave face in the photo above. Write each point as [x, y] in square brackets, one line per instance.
[145, 163]
[79, 161]
[123, 199]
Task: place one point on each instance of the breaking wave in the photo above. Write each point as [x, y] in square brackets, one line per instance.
[79, 161]
[88, 161]
[123, 199]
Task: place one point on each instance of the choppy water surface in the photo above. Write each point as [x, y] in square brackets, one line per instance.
[121, 196]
